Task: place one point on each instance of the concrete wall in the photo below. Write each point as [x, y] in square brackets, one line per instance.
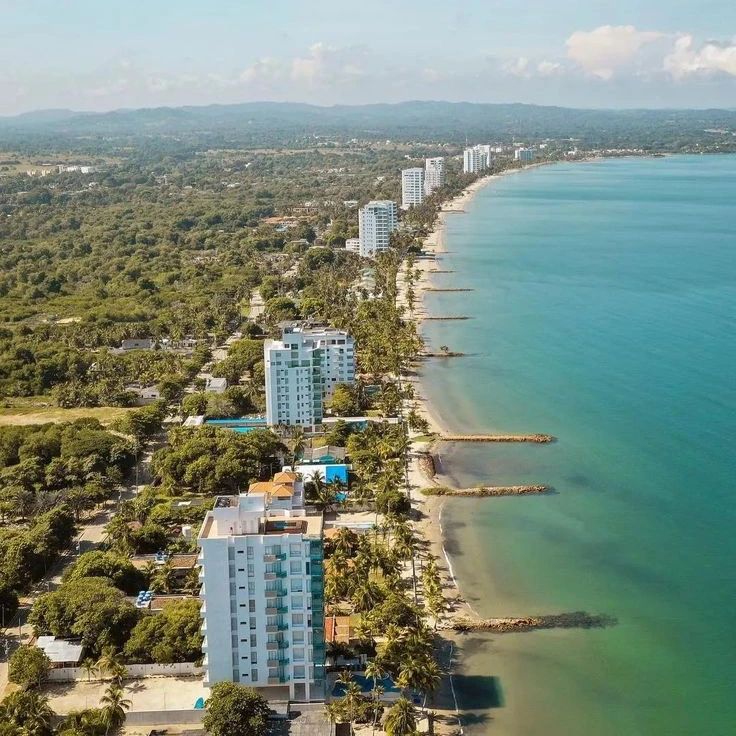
[68, 674]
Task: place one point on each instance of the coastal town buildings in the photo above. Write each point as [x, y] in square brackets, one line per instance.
[475, 160]
[302, 370]
[412, 187]
[525, 155]
[434, 174]
[376, 221]
[261, 561]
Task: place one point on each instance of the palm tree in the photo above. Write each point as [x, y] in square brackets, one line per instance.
[376, 672]
[163, 579]
[90, 667]
[401, 719]
[298, 444]
[29, 711]
[114, 706]
[367, 595]
[110, 661]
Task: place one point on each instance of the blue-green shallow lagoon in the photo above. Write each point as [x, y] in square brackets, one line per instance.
[604, 313]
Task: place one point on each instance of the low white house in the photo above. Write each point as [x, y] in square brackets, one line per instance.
[216, 385]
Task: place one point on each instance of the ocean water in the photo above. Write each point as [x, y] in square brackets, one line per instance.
[604, 313]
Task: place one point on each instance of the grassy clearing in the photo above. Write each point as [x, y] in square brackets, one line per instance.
[35, 414]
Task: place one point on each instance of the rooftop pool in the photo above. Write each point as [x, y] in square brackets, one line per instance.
[240, 425]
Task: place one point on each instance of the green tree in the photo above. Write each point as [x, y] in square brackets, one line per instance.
[92, 609]
[114, 706]
[343, 401]
[119, 570]
[401, 719]
[170, 636]
[233, 710]
[29, 711]
[28, 666]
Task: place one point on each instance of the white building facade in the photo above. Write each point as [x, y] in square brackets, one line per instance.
[263, 596]
[434, 174]
[376, 221]
[302, 370]
[475, 160]
[525, 155]
[352, 245]
[412, 187]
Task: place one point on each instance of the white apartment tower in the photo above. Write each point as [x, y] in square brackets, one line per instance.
[263, 591]
[302, 370]
[376, 221]
[475, 160]
[525, 155]
[412, 187]
[434, 174]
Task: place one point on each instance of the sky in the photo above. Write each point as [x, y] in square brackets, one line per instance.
[109, 54]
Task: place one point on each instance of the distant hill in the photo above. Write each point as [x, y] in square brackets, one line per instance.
[261, 122]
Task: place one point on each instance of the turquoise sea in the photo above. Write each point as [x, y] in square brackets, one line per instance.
[604, 313]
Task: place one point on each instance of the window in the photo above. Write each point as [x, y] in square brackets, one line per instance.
[254, 674]
[252, 623]
[250, 552]
[251, 588]
[297, 602]
[295, 550]
[296, 567]
[296, 586]
[253, 656]
[297, 619]
[252, 606]
[296, 635]
[253, 640]
[298, 654]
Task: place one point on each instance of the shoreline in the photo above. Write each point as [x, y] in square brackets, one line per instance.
[429, 508]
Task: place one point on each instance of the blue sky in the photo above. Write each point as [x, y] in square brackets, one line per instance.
[106, 54]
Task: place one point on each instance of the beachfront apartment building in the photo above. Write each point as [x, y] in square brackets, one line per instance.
[434, 174]
[412, 187]
[261, 569]
[302, 370]
[376, 221]
[475, 160]
[525, 155]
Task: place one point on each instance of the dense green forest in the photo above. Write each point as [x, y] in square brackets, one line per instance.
[188, 213]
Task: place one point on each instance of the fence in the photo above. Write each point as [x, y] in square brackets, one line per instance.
[69, 674]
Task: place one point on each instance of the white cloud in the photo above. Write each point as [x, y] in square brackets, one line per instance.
[517, 67]
[710, 58]
[606, 49]
[548, 68]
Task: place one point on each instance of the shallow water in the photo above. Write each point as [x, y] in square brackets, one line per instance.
[604, 307]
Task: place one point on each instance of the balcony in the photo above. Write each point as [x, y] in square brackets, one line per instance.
[282, 609]
[272, 629]
[275, 593]
[283, 627]
[272, 645]
[277, 662]
[271, 611]
[269, 576]
[281, 556]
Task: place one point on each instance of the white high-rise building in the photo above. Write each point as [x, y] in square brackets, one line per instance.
[475, 160]
[525, 155]
[263, 591]
[376, 221]
[412, 187]
[434, 174]
[302, 370]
